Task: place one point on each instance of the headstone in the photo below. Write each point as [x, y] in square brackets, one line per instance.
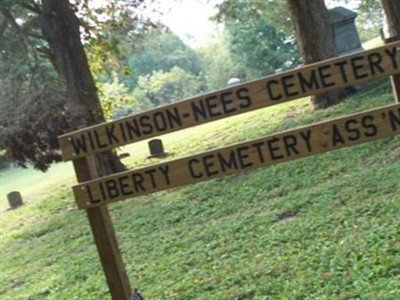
[124, 155]
[14, 199]
[156, 148]
[344, 30]
[233, 81]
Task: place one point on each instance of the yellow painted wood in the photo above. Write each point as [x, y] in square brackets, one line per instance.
[280, 147]
[309, 80]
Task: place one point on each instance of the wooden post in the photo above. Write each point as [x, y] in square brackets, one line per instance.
[395, 79]
[104, 236]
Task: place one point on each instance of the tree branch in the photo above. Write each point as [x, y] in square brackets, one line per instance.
[46, 52]
[25, 31]
[11, 20]
[3, 27]
[34, 7]
[37, 36]
[30, 25]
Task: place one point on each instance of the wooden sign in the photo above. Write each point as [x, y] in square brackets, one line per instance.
[265, 151]
[309, 80]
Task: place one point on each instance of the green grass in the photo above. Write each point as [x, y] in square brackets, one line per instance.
[32, 183]
[374, 43]
[324, 227]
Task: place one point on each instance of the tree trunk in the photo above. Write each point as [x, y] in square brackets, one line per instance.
[315, 38]
[392, 12]
[61, 29]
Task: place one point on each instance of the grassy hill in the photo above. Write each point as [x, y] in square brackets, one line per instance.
[324, 227]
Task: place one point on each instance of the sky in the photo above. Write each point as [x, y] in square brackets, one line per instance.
[189, 19]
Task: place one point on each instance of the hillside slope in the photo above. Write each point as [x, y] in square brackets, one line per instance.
[323, 227]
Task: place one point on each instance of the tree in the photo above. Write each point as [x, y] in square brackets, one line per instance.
[254, 40]
[33, 109]
[369, 19]
[273, 11]
[159, 50]
[392, 12]
[261, 48]
[61, 28]
[219, 65]
[167, 87]
[114, 96]
[315, 38]
[50, 29]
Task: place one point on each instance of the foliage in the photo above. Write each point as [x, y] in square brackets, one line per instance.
[324, 227]
[166, 87]
[160, 50]
[108, 27]
[150, 50]
[219, 65]
[262, 48]
[33, 102]
[370, 19]
[4, 162]
[254, 40]
[29, 130]
[33, 111]
[273, 11]
[113, 96]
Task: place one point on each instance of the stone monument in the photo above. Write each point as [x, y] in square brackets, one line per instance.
[156, 148]
[14, 199]
[344, 30]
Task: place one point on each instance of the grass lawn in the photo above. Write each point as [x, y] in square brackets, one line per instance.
[323, 227]
[33, 184]
[374, 43]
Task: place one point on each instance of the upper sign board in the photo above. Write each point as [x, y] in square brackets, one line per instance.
[265, 151]
[309, 80]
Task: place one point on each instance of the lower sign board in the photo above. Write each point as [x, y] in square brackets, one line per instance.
[284, 146]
